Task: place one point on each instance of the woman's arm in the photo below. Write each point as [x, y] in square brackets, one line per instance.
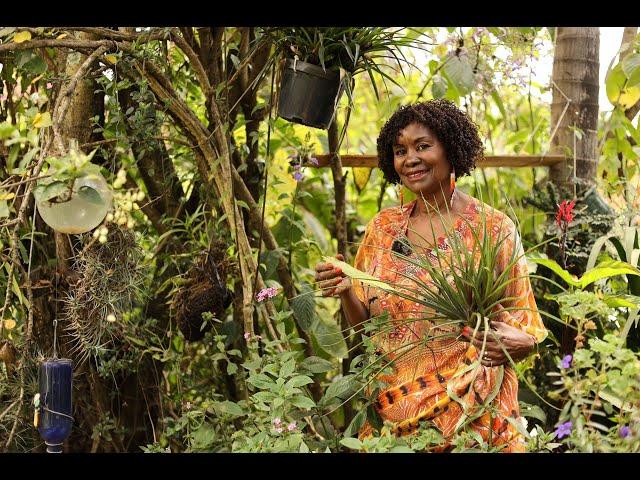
[355, 310]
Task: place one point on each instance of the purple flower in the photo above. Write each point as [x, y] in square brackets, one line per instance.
[291, 427]
[566, 361]
[266, 293]
[314, 161]
[624, 432]
[298, 176]
[564, 429]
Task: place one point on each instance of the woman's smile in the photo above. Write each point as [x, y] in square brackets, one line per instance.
[418, 174]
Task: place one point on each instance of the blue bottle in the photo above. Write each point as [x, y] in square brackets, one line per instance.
[55, 410]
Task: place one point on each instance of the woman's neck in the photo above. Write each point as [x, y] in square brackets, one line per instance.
[429, 205]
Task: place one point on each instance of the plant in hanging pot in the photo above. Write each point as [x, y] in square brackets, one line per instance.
[318, 65]
[74, 196]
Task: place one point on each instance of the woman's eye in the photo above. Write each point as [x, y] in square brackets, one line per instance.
[422, 146]
[397, 153]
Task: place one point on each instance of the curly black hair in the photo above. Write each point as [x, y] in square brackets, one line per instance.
[453, 128]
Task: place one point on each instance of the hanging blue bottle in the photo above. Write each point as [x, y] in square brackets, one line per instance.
[55, 410]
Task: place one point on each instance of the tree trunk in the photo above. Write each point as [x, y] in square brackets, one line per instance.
[575, 104]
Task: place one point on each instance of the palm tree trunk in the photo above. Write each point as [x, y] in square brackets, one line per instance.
[574, 107]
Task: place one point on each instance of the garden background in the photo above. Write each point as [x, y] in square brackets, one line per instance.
[190, 311]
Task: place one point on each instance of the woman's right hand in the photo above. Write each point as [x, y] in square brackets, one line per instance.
[331, 279]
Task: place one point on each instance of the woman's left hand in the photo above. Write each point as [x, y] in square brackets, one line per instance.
[501, 337]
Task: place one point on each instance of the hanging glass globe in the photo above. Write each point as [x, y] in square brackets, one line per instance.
[87, 205]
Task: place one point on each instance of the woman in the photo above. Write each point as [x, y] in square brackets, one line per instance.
[425, 147]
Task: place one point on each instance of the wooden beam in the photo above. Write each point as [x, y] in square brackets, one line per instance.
[510, 161]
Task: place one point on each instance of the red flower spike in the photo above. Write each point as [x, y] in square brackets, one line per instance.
[565, 212]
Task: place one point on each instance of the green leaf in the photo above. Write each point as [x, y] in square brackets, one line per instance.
[298, 381]
[316, 365]
[52, 190]
[304, 309]
[631, 68]
[342, 388]
[607, 269]
[532, 411]
[557, 269]
[287, 369]
[4, 209]
[42, 120]
[203, 438]
[356, 424]
[261, 381]
[301, 401]
[352, 443]
[229, 408]
[91, 195]
[438, 87]
[329, 338]
[357, 274]
[401, 449]
[460, 72]
[36, 66]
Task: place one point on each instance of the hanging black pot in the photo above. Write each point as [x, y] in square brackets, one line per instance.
[308, 94]
[53, 408]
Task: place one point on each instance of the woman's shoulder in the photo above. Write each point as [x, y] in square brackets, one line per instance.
[477, 210]
[395, 215]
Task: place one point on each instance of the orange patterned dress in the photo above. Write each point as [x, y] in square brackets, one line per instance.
[416, 386]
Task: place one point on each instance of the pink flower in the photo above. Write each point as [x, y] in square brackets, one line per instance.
[291, 427]
[278, 429]
[49, 85]
[247, 335]
[266, 293]
[276, 421]
[3, 98]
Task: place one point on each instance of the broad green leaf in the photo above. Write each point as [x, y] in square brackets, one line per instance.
[460, 72]
[329, 338]
[52, 190]
[301, 401]
[298, 381]
[316, 365]
[352, 443]
[90, 195]
[628, 301]
[203, 437]
[607, 269]
[304, 309]
[631, 68]
[342, 388]
[42, 120]
[22, 37]
[357, 423]
[532, 411]
[229, 408]
[401, 449]
[557, 269]
[438, 86]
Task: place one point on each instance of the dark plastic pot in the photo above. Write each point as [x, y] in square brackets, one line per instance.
[308, 94]
[55, 403]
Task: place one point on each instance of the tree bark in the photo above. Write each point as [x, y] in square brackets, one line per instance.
[575, 86]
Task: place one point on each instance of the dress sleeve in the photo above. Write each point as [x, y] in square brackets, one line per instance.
[518, 308]
[363, 260]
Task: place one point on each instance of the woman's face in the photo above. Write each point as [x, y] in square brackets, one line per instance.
[420, 160]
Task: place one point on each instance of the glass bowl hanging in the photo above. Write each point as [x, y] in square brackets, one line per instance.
[53, 405]
[84, 209]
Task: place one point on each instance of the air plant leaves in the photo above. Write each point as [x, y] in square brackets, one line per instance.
[356, 274]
